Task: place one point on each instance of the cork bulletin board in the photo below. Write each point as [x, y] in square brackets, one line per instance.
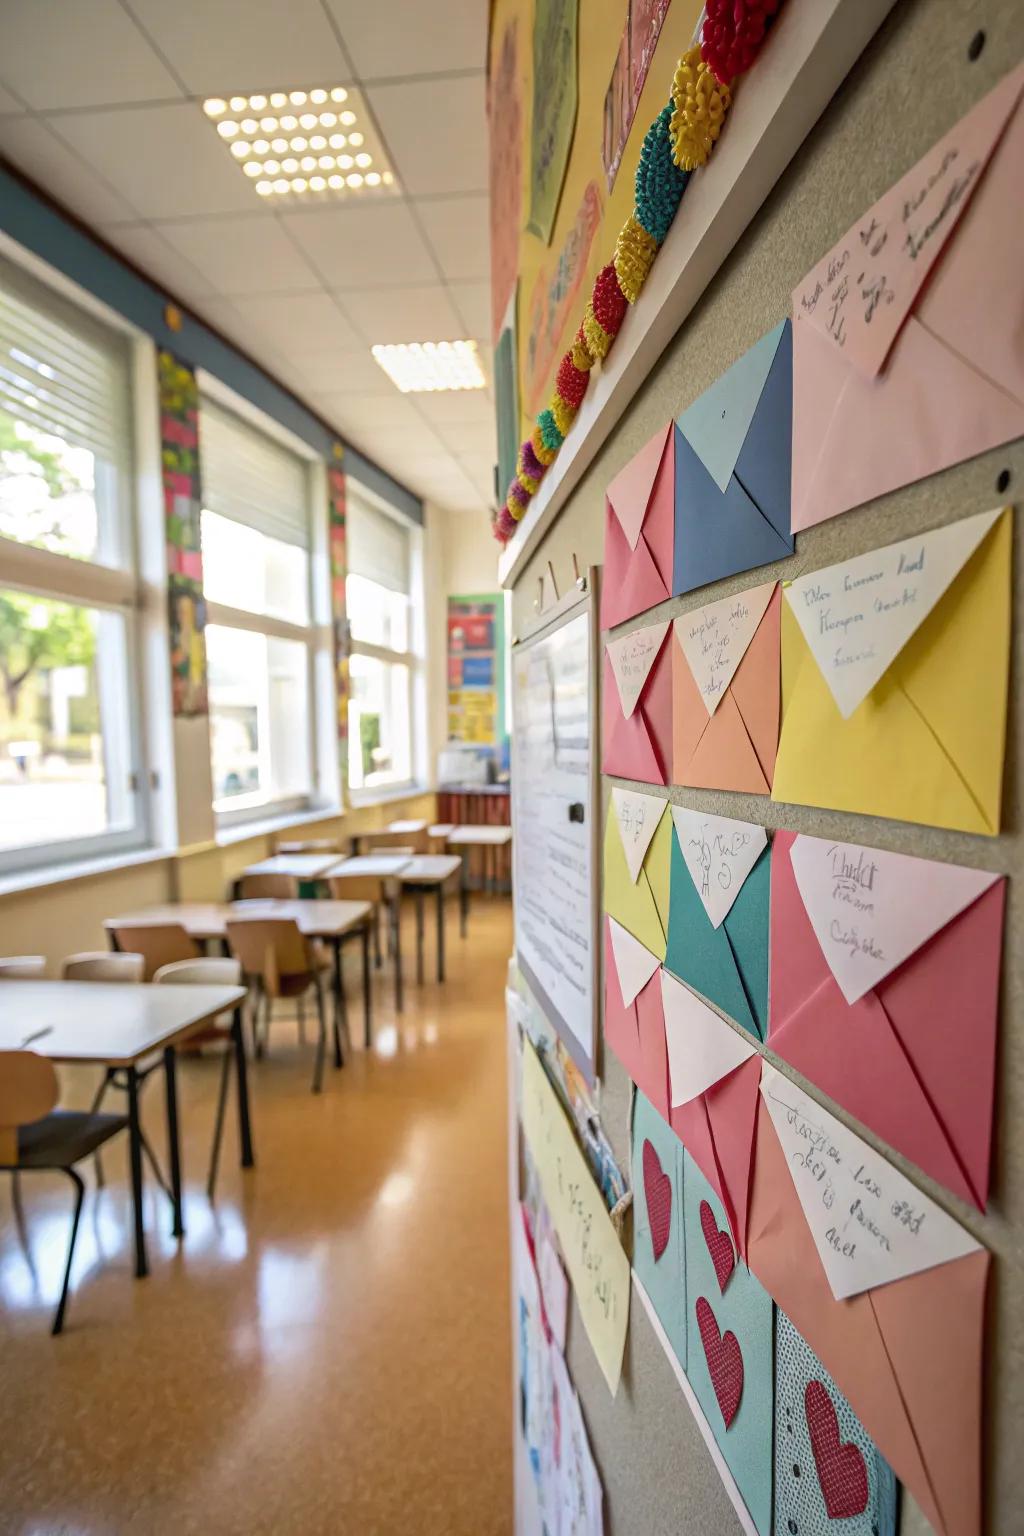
[928, 64]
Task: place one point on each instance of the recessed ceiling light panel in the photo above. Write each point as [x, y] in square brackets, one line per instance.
[331, 121]
[426, 367]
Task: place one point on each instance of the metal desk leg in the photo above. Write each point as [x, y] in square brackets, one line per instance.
[419, 935]
[396, 925]
[135, 1163]
[173, 1141]
[367, 989]
[242, 1082]
[339, 984]
[463, 893]
[440, 930]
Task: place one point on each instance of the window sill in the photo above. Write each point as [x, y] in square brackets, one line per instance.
[84, 869]
[363, 799]
[240, 831]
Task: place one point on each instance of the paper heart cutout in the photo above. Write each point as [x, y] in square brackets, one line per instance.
[658, 1193]
[841, 1470]
[725, 1362]
[719, 1245]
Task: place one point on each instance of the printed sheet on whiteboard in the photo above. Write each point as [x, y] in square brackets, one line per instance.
[553, 843]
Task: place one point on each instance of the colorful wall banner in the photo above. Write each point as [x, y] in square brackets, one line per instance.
[476, 669]
[186, 606]
[629, 73]
[505, 113]
[339, 620]
[555, 96]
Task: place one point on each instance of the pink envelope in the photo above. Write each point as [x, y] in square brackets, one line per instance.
[913, 1057]
[635, 1030]
[637, 708]
[909, 334]
[639, 532]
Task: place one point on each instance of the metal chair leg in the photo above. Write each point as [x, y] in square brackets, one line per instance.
[94, 1109]
[219, 1122]
[321, 1043]
[58, 1321]
[154, 1164]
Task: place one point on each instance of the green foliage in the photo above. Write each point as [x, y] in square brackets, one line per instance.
[37, 633]
[369, 739]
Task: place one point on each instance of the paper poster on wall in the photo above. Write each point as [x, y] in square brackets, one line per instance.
[476, 669]
[629, 74]
[505, 115]
[186, 606]
[555, 95]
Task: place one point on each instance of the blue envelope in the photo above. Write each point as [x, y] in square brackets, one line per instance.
[728, 965]
[733, 462]
[658, 1257]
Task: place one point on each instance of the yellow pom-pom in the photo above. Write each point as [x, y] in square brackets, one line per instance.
[635, 251]
[528, 482]
[544, 454]
[581, 357]
[563, 413]
[598, 339]
[700, 103]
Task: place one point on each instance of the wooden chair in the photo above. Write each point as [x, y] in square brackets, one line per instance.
[384, 895]
[158, 944]
[36, 1138]
[22, 967]
[280, 962]
[396, 842]
[220, 972]
[101, 965]
[274, 887]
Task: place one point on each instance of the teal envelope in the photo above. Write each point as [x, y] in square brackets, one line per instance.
[658, 1242]
[830, 1476]
[730, 1345]
[728, 965]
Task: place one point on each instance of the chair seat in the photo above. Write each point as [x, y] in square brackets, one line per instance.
[63, 1138]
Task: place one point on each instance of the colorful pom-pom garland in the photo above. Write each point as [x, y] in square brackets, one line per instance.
[679, 140]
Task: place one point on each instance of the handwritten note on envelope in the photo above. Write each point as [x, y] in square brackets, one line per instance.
[869, 1223]
[637, 707]
[594, 1257]
[719, 853]
[637, 860]
[895, 668]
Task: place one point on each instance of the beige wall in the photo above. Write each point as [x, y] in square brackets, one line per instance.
[462, 558]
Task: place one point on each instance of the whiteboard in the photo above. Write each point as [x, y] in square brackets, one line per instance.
[553, 810]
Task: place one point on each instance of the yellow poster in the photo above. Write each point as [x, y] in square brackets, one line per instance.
[597, 1265]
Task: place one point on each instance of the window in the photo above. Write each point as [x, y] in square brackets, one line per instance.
[71, 781]
[378, 601]
[259, 637]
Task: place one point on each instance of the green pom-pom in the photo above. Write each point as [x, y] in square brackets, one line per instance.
[660, 183]
[549, 432]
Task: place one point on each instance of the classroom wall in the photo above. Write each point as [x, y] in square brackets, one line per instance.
[463, 558]
[912, 83]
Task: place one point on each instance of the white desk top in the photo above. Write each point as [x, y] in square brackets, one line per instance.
[415, 825]
[373, 865]
[106, 1021]
[430, 868]
[301, 866]
[470, 836]
[209, 919]
[441, 829]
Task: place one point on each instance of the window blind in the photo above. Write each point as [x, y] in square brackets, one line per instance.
[377, 545]
[252, 479]
[62, 372]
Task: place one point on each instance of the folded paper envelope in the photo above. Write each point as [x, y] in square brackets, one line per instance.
[639, 532]
[718, 917]
[895, 668]
[907, 1353]
[885, 993]
[725, 692]
[732, 480]
[908, 337]
[634, 1024]
[637, 860]
[637, 709]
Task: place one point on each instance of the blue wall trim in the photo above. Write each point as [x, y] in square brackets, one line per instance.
[42, 229]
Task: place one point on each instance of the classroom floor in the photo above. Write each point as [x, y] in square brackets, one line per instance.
[329, 1350]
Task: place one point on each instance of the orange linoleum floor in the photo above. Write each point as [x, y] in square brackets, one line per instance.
[327, 1353]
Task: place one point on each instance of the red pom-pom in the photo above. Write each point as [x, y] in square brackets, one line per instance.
[608, 300]
[733, 34]
[504, 525]
[570, 383]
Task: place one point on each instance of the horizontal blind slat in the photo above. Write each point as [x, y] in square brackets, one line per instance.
[251, 479]
[376, 545]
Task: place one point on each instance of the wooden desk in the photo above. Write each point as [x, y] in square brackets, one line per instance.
[299, 866]
[425, 872]
[385, 867]
[407, 827]
[475, 837]
[374, 866]
[117, 1025]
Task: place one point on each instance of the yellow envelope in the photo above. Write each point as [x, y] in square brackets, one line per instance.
[895, 667]
[637, 860]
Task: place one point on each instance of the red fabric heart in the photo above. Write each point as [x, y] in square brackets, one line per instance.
[658, 1193]
[841, 1471]
[725, 1363]
[719, 1245]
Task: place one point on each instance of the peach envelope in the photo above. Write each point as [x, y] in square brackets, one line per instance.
[637, 708]
[908, 1355]
[908, 336]
[726, 692]
[885, 994]
[639, 532]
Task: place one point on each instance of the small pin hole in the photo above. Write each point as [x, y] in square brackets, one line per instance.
[1003, 480]
[975, 46]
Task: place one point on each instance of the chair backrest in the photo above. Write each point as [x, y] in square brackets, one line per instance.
[397, 842]
[22, 967]
[28, 1091]
[102, 965]
[356, 887]
[219, 971]
[279, 887]
[158, 944]
[271, 948]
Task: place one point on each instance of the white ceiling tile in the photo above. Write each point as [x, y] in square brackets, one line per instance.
[336, 373]
[89, 54]
[221, 46]
[389, 414]
[240, 256]
[165, 160]
[159, 261]
[457, 407]
[471, 442]
[297, 323]
[9, 102]
[391, 37]
[436, 132]
[363, 247]
[224, 317]
[457, 228]
[403, 314]
[473, 302]
[30, 145]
